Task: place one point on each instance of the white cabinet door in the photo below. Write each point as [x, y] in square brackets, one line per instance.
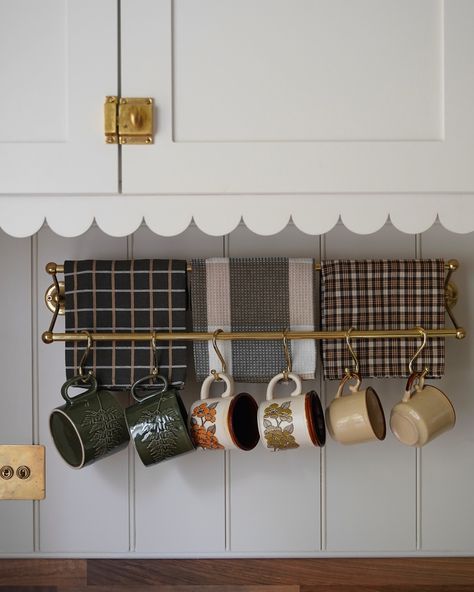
[58, 61]
[285, 96]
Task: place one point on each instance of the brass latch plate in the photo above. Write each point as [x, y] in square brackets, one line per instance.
[22, 472]
[128, 120]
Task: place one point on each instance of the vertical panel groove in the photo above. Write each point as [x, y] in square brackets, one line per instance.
[227, 479]
[34, 372]
[418, 255]
[131, 459]
[322, 451]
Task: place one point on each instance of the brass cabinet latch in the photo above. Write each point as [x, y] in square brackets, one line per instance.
[128, 120]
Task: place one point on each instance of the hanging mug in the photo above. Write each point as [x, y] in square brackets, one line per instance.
[423, 414]
[90, 425]
[225, 422]
[357, 417]
[157, 422]
[297, 420]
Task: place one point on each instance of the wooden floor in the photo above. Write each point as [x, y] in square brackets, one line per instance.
[238, 575]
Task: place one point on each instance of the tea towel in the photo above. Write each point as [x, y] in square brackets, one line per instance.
[382, 294]
[254, 294]
[126, 296]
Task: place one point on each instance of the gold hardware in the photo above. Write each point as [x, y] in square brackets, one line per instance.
[286, 350]
[348, 372]
[6, 472]
[85, 355]
[219, 355]
[52, 297]
[49, 336]
[128, 120]
[418, 352]
[451, 294]
[22, 472]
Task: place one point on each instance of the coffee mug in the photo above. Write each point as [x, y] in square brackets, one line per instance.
[293, 422]
[424, 413]
[357, 417]
[158, 421]
[226, 422]
[90, 425]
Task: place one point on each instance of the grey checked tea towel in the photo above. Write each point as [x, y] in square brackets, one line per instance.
[382, 294]
[253, 294]
[126, 296]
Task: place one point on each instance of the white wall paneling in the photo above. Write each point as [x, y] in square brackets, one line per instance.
[195, 523]
[274, 498]
[369, 499]
[363, 483]
[53, 89]
[85, 510]
[16, 420]
[447, 520]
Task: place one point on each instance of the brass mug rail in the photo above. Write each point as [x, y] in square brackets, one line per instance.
[49, 336]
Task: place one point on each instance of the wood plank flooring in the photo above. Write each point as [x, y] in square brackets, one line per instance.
[238, 575]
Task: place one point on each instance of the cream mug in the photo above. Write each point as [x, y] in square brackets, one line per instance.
[424, 413]
[293, 422]
[225, 422]
[357, 417]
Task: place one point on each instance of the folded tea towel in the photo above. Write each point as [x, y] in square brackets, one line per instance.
[123, 297]
[253, 294]
[382, 294]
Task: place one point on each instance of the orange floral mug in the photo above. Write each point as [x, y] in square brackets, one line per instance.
[226, 422]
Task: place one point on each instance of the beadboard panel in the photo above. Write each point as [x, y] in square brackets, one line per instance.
[364, 481]
[264, 484]
[180, 504]
[85, 510]
[369, 499]
[447, 464]
[16, 420]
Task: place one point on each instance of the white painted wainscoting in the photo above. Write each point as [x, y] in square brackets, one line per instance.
[372, 499]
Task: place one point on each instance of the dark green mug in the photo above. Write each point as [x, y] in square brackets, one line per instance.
[158, 422]
[90, 425]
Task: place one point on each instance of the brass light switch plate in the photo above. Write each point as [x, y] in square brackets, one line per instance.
[22, 472]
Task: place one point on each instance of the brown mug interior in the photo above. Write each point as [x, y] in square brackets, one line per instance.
[315, 419]
[243, 425]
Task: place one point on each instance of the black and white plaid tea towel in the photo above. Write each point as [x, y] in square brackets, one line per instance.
[253, 294]
[382, 294]
[126, 296]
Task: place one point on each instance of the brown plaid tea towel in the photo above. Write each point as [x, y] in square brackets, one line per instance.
[123, 297]
[382, 294]
[253, 294]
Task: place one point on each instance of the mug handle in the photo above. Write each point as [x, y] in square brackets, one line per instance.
[276, 379]
[78, 380]
[415, 382]
[144, 379]
[206, 385]
[353, 388]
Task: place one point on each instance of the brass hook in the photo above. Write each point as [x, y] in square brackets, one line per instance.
[219, 355]
[85, 355]
[154, 370]
[354, 357]
[418, 351]
[289, 363]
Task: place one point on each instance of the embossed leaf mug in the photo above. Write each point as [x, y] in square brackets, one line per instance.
[89, 425]
[357, 417]
[157, 422]
[424, 413]
[293, 422]
[225, 422]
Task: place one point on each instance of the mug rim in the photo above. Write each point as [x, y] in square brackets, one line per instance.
[83, 452]
[311, 396]
[230, 422]
[380, 409]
